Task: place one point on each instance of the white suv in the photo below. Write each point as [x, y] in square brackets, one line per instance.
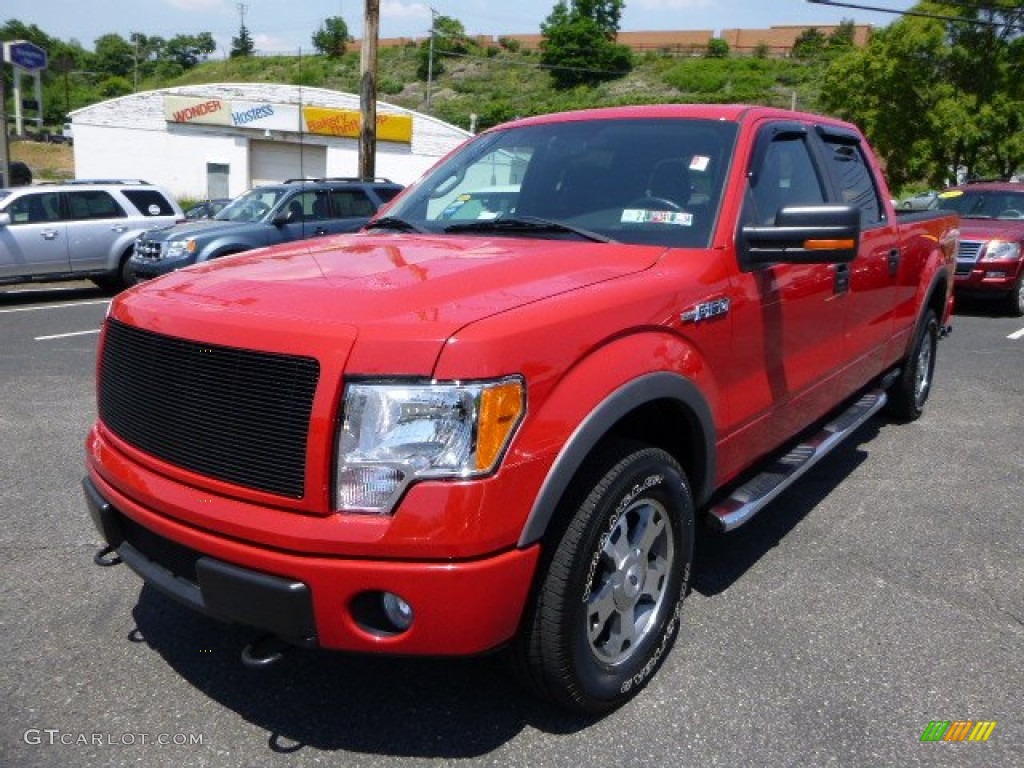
[81, 229]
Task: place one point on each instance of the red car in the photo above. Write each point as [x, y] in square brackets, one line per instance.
[990, 261]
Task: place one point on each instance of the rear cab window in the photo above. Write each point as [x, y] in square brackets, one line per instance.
[852, 175]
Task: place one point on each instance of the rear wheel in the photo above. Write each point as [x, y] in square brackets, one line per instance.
[607, 607]
[911, 390]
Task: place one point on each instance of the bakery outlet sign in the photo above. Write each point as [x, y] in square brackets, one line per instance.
[283, 117]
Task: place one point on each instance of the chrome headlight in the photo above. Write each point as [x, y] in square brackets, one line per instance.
[178, 249]
[1001, 250]
[394, 434]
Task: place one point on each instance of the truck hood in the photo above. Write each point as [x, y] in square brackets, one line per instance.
[409, 293]
[991, 229]
[198, 228]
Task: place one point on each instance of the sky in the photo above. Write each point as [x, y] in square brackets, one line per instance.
[286, 26]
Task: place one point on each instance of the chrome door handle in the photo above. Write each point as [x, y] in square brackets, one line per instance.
[49, 234]
[118, 228]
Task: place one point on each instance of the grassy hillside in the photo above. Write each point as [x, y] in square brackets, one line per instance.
[495, 85]
[498, 85]
[49, 162]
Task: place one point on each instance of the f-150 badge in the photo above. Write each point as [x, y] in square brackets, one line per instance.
[706, 310]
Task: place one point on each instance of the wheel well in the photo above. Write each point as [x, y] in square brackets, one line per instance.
[937, 297]
[661, 423]
[671, 426]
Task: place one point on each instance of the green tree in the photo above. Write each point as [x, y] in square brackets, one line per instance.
[449, 39]
[809, 44]
[243, 44]
[113, 55]
[332, 37]
[188, 50]
[842, 38]
[578, 44]
[938, 98]
[718, 48]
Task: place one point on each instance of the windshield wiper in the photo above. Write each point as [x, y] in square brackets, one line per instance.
[393, 222]
[518, 224]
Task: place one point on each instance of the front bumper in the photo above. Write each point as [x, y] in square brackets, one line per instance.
[987, 278]
[459, 607]
[144, 268]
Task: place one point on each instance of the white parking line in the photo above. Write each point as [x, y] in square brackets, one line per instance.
[53, 306]
[66, 335]
[1017, 335]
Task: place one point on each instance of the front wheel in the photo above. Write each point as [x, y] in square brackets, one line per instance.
[1015, 301]
[607, 607]
[910, 391]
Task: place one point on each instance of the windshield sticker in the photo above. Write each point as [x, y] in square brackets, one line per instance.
[951, 193]
[699, 163]
[646, 216]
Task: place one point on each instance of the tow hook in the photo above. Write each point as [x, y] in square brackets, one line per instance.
[264, 651]
[945, 331]
[106, 557]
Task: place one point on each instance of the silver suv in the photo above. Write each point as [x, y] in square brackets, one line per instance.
[82, 229]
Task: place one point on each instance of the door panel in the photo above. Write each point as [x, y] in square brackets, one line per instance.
[869, 312]
[96, 223]
[35, 243]
[789, 320]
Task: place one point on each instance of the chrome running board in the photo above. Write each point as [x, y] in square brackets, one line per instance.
[751, 497]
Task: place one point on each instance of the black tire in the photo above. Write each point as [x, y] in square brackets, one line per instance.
[125, 276]
[1015, 301]
[607, 605]
[910, 391]
[120, 279]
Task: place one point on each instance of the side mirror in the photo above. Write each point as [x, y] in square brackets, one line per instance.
[818, 234]
[281, 218]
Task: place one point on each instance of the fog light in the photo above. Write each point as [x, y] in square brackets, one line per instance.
[397, 610]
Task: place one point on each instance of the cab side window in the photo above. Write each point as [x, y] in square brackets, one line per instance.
[786, 176]
[35, 208]
[854, 180]
[349, 203]
[93, 204]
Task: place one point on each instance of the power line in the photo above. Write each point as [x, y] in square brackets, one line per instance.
[923, 14]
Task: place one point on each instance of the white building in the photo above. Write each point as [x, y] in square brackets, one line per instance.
[217, 140]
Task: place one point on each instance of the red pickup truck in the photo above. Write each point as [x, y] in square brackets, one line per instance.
[492, 419]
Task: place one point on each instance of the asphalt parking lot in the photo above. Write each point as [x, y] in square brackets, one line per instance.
[883, 592]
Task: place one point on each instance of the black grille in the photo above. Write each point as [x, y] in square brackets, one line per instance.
[147, 249]
[227, 413]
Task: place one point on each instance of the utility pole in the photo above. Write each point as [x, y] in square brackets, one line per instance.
[368, 91]
[430, 59]
[5, 166]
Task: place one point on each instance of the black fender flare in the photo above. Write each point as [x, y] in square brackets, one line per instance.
[640, 391]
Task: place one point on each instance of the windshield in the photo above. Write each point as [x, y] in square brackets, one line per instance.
[651, 181]
[254, 205]
[984, 203]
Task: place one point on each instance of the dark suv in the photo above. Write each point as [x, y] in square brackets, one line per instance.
[276, 213]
